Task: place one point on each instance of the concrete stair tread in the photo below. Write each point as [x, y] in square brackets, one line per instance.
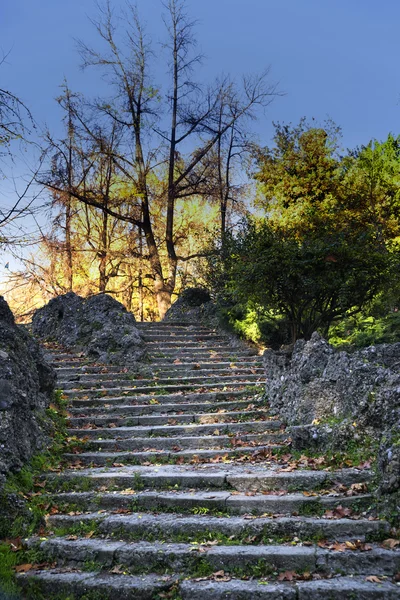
[170, 409]
[103, 457]
[151, 390]
[168, 429]
[125, 587]
[82, 424]
[225, 502]
[160, 556]
[231, 477]
[203, 527]
[128, 587]
[170, 381]
[338, 588]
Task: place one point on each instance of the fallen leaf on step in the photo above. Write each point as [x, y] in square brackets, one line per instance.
[391, 543]
[15, 544]
[374, 579]
[351, 545]
[117, 570]
[287, 576]
[23, 568]
[220, 576]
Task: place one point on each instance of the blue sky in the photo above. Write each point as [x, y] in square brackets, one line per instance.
[331, 57]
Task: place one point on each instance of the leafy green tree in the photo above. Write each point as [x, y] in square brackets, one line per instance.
[312, 282]
[371, 180]
[300, 177]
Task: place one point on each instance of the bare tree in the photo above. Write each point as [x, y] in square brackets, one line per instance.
[149, 148]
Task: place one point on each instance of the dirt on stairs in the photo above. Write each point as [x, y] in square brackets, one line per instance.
[184, 487]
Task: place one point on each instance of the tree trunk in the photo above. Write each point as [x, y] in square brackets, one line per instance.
[68, 245]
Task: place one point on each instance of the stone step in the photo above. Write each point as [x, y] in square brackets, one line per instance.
[183, 338]
[200, 359]
[154, 383]
[204, 502]
[94, 369]
[161, 369]
[210, 352]
[206, 345]
[101, 586]
[151, 421]
[232, 477]
[166, 430]
[175, 444]
[211, 397]
[169, 406]
[205, 528]
[338, 588]
[130, 457]
[182, 370]
[146, 557]
[173, 325]
[165, 375]
[151, 390]
[147, 587]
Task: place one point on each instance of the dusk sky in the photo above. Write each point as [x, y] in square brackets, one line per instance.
[332, 58]
[337, 59]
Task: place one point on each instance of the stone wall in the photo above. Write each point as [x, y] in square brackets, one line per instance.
[332, 398]
[26, 387]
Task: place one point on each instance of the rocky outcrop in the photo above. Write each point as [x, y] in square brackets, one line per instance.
[194, 305]
[316, 382]
[26, 387]
[333, 398]
[99, 326]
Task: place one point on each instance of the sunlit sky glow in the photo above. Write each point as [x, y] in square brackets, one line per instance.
[337, 59]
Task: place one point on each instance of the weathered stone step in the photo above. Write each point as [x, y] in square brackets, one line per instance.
[164, 376]
[58, 357]
[158, 390]
[120, 383]
[145, 557]
[171, 409]
[338, 588]
[236, 477]
[105, 458]
[97, 373]
[209, 419]
[183, 371]
[212, 500]
[184, 339]
[211, 397]
[208, 358]
[74, 585]
[173, 325]
[146, 587]
[146, 444]
[174, 430]
[172, 346]
[245, 362]
[210, 351]
[205, 528]
[94, 368]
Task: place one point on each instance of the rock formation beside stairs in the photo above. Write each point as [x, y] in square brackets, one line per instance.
[26, 387]
[99, 326]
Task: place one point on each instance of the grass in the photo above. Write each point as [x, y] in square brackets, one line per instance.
[23, 504]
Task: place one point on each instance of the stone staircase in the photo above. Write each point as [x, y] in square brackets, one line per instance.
[185, 488]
